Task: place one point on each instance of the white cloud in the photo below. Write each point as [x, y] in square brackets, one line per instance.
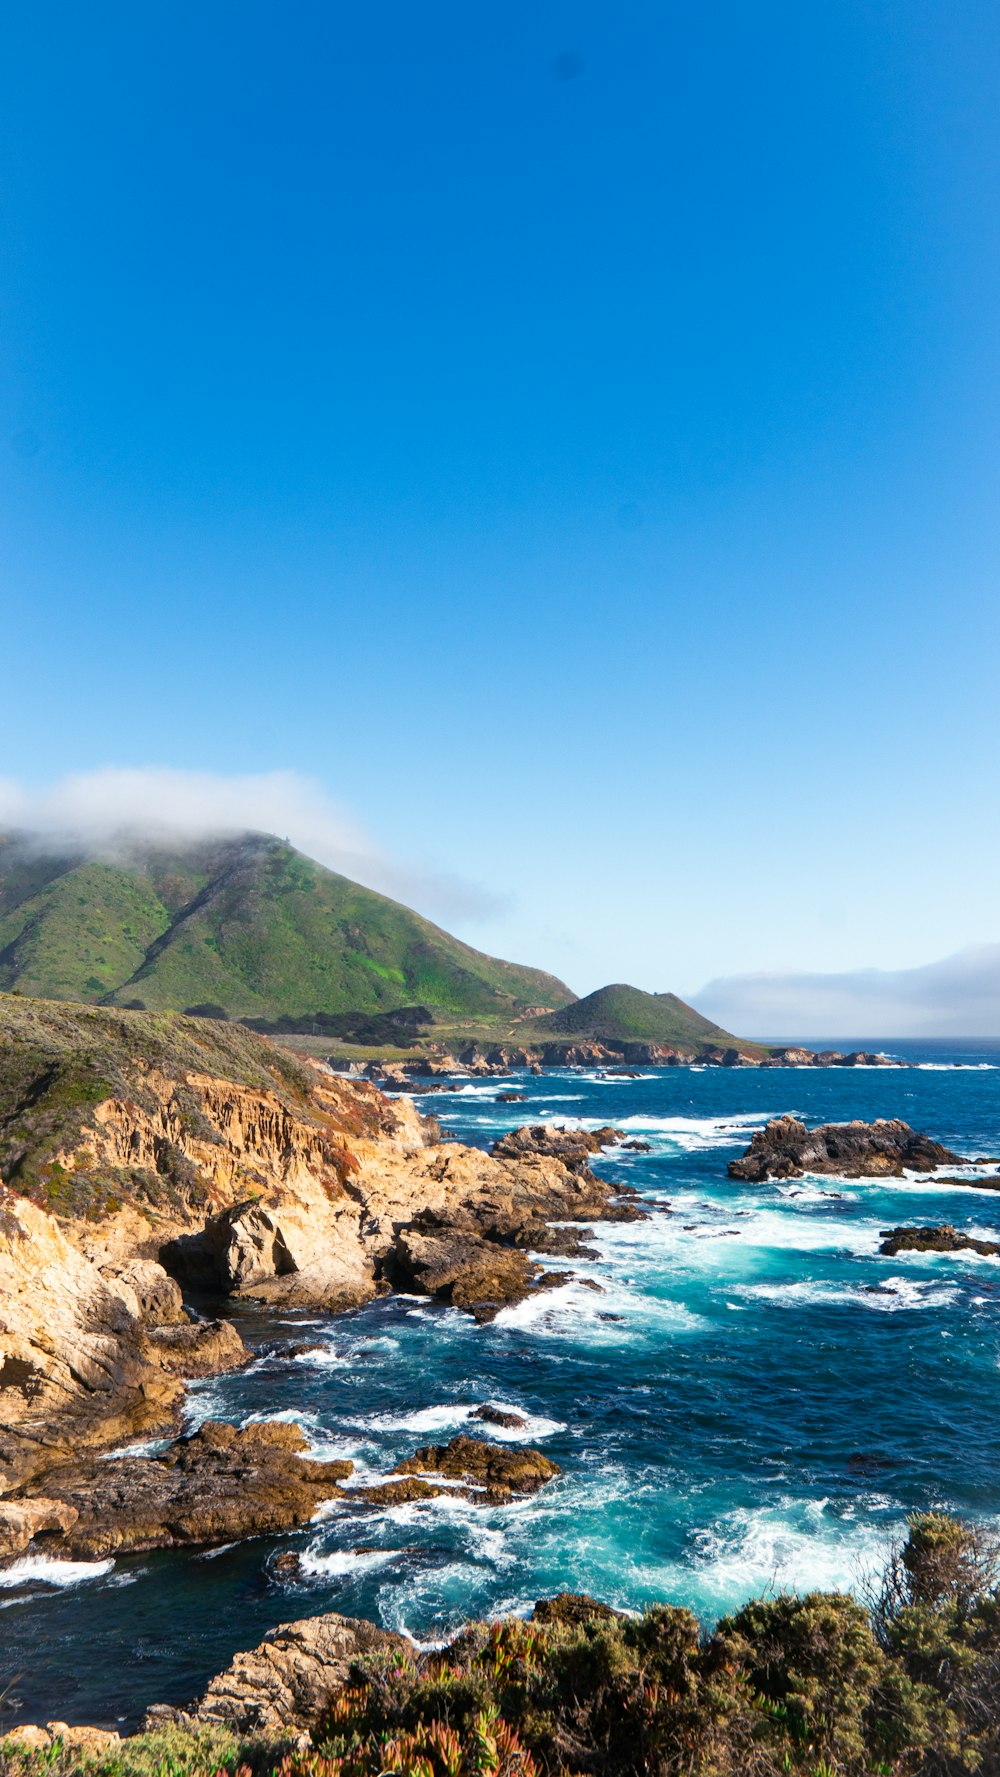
[101, 812]
[958, 997]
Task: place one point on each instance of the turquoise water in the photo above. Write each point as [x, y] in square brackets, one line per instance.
[755, 1398]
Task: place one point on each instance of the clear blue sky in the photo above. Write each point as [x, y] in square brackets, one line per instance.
[567, 432]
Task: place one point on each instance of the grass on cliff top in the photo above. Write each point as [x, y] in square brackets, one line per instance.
[58, 1061]
[248, 923]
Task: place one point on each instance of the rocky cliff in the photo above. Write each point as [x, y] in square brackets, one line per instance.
[141, 1154]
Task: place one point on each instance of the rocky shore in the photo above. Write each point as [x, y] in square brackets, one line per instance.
[786, 1683]
[137, 1169]
[942, 1239]
[435, 1070]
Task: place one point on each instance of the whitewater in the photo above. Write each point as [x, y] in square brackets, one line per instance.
[754, 1398]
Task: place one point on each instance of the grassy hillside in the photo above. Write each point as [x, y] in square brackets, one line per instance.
[248, 924]
[626, 1014]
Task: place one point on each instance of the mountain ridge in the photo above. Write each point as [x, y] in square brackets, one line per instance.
[246, 922]
[622, 1013]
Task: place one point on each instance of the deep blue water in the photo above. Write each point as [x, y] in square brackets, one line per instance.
[755, 1398]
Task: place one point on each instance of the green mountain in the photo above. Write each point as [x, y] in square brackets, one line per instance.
[626, 1014]
[245, 924]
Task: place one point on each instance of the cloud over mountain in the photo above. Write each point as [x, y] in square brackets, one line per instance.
[957, 997]
[100, 811]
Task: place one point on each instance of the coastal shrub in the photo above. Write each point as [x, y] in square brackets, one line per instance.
[817, 1686]
[937, 1615]
[166, 1752]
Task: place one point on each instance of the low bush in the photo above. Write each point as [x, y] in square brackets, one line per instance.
[818, 1686]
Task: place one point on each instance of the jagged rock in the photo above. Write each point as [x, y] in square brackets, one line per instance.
[796, 1057]
[572, 1146]
[288, 1185]
[572, 1608]
[199, 1348]
[215, 1486]
[558, 1242]
[498, 1416]
[403, 1492]
[34, 1738]
[502, 1471]
[282, 1686]
[21, 1519]
[943, 1239]
[87, 1740]
[159, 1301]
[785, 1148]
[76, 1365]
[465, 1270]
[28, 1737]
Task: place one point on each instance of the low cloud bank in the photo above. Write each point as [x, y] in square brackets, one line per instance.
[958, 997]
[103, 812]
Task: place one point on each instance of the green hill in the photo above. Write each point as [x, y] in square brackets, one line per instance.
[246, 924]
[626, 1014]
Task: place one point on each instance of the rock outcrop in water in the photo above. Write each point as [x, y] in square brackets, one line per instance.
[942, 1239]
[499, 1470]
[785, 1148]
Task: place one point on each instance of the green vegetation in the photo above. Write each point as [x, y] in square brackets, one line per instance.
[785, 1687]
[58, 1061]
[245, 924]
[626, 1014]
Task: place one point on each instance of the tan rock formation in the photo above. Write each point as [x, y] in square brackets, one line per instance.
[288, 1184]
[282, 1686]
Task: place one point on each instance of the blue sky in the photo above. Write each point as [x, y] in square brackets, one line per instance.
[566, 436]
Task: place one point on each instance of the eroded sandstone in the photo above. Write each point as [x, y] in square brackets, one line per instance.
[282, 1686]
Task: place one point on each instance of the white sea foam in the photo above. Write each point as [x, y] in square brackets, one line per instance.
[43, 1570]
[322, 1357]
[809, 1190]
[956, 1067]
[618, 1079]
[887, 1297]
[343, 1562]
[700, 1235]
[500, 1083]
[693, 1134]
[145, 1447]
[798, 1546]
[322, 1446]
[617, 1313]
[430, 1419]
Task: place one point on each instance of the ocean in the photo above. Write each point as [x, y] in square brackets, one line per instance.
[754, 1399]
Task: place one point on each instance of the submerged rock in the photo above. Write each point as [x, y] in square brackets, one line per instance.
[942, 1239]
[498, 1416]
[785, 1148]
